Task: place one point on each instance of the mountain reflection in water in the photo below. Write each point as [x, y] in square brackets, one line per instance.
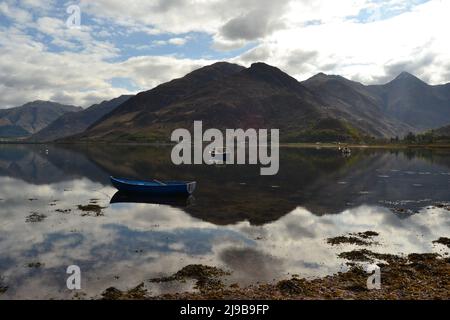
[260, 227]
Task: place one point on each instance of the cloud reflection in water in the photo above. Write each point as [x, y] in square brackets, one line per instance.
[135, 242]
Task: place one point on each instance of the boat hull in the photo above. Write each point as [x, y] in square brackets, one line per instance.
[155, 188]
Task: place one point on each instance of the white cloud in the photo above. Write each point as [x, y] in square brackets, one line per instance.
[177, 41]
[301, 37]
[9, 10]
[30, 72]
[365, 51]
[171, 41]
[60, 239]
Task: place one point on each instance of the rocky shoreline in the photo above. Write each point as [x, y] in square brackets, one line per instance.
[416, 276]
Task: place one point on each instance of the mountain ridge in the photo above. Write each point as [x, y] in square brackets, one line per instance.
[254, 97]
[226, 95]
[31, 117]
[73, 123]
[264, 92]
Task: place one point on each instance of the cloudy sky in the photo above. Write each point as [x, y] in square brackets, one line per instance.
[129, 46]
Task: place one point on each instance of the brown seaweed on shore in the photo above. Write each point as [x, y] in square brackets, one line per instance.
[415, 276]
[206, 276]
[35, 217]
[445, 206]
[137, 293]
[94, 208]
[35, 265]
[294, 286]
[364, 255]
[347, 240]
[63, 210]
[359, 239]
[443, 240]
[367, 234]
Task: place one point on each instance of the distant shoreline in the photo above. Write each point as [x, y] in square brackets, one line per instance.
[283, 145]
[363, 146]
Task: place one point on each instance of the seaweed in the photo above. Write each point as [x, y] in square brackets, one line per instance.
[35, 217]
[444, 241]
[35, 265]
[94, 208]
[206, 276]
[359, 239]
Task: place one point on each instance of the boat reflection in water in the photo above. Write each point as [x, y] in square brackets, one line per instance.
[178, 201]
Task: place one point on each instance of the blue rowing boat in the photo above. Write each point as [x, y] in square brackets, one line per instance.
[154, 186]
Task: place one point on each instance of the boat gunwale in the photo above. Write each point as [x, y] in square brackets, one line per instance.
[151, 183]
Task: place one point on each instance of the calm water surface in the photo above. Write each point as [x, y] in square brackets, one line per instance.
[260, 228]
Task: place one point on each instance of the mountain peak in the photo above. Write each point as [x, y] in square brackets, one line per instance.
[31, 117]
[406, 76]
[37, 102]
[320, 76]
[225, 64]
[214, 71]
[270, 74]
[48, 104]
[219, 66]
[264, 67]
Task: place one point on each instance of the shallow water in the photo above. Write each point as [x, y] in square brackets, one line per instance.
[261, 228]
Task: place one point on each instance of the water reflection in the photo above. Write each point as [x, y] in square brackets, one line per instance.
[180, 201]
[261, 228]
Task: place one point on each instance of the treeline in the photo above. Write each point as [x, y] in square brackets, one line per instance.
[429, 137]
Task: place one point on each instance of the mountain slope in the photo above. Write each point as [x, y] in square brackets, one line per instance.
[261, 96]
[77, 122]
[437, 136]
[356, 103]
[31, 117]
[443, 132]
[165, 94]
[414, 102]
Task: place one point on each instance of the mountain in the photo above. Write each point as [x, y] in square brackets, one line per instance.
[76, 122]
[31, 117]
[406, 104]
[356, 103]
[160, 97]
[225, 96]
[322, 108]
[414, 102]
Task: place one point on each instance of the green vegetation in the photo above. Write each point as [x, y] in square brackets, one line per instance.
[12, 131]
[327, 130]
[431, 137]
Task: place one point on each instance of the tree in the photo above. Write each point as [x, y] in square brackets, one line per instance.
[410, 138]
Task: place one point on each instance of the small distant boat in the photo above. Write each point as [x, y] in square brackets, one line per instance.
[154, 186]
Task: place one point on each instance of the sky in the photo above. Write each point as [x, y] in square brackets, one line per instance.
[124, 47]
